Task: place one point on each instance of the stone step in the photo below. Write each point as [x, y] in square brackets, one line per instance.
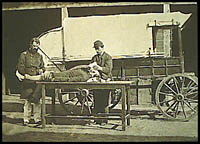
[13, 110]
[13, 103]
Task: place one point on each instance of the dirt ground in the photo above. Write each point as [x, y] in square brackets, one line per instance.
[147, 125]
[142, 129]
[74, 137]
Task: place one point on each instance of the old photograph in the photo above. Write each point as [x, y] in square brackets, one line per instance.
[99, 72]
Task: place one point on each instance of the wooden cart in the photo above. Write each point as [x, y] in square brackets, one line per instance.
[174, 91]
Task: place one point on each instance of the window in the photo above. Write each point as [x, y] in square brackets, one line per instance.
[165, 40]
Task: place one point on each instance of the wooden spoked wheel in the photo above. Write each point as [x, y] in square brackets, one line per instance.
[85, 98]
[68, 97]
[115, 96]
[82, 97]
[177, 96]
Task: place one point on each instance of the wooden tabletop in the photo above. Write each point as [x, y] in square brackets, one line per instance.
[89, 83]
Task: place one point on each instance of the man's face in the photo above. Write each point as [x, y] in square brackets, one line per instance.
[99, 50]
[34, 46]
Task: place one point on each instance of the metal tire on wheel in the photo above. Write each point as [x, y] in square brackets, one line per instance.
[64, 100]
[85, 98]
[177, 96]
[82, 96]
[115, 96]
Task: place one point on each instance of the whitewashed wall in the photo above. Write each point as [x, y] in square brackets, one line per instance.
[125, 34]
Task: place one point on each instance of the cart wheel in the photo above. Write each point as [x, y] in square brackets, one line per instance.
[85, 98]
[115, 96]
[64, 99]
[81, 96]
[177, 96]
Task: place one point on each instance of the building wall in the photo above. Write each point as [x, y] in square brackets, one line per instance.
[20, 26]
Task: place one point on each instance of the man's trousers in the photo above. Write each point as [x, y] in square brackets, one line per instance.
[101, 101]
[28, 110]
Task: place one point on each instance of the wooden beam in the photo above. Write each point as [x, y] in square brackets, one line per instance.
[44, 5]
[3, 84]
[181, 50]
[166, 33]
[64, 15]
[166, 8]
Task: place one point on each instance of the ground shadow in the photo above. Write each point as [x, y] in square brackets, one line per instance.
[75, 110]
[144, 114]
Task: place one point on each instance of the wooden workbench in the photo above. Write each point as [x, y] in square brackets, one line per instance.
[123, 85]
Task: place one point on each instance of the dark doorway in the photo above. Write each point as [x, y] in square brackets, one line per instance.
[189, 37]
[18, 28]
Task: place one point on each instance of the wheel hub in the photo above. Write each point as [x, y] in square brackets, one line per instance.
[179, 97]
[84, 92]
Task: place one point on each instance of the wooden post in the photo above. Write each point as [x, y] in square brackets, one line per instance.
[152, 68]
[3, 84]
[53, 103]
[181, 50]
[128, 105]
[9, 91]
[64, 14]
[166, 8]
[166, 67]
[137, 83]
[43, 107]
[123, 108]
[166, 33]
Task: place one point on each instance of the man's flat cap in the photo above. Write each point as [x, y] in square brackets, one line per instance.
[98, 43]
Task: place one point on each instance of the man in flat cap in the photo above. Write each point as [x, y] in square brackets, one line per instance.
[104, 66]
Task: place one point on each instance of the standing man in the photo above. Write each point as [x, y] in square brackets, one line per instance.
[31, 62]
[104, 66]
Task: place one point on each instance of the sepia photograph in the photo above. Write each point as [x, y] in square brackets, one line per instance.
[99, 72]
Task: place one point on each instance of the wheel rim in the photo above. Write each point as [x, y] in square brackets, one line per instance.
[85, 98]
[115, 96]
[64, 100]
[177, 96]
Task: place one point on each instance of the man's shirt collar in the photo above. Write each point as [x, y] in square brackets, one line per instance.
[101, 54]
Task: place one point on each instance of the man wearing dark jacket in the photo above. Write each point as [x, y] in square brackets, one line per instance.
[31, 62]
[104, 66]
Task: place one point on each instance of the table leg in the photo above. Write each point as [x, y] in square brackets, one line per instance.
[137, 92]
[53, 109]
[128, 105]
[53, 103]
[123, 109]
[43, 107]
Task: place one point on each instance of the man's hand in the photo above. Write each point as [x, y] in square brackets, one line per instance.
[40, 71]
[47, 75]
[97, 67]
